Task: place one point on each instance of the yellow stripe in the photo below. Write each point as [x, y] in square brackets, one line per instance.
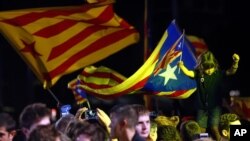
[142, 73]
[183, 96]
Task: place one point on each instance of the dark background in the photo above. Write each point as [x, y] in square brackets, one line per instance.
[223, 24]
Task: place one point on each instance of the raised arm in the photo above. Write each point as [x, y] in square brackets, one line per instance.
[187, 72]
[234, 67]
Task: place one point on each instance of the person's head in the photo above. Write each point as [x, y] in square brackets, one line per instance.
[33, 115]
[7, 127]
[168, 133]
[143, 125]
[207, 63]
[63, 121]
[85, 131]
[189, 129]
[122, 118]
[47, 133]
[226, 120]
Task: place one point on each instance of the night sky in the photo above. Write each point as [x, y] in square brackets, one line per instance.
[221, 23]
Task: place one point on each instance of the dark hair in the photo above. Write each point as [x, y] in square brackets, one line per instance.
[47, 133]
[33, 113]
[140, 109]
[7, 121]
[126, 112]
[93, 130]
[62, 122]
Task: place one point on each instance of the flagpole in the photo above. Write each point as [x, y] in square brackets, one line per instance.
[146, 49]
[54, 96]
[146, 97]
[88, 104]
[182, 43]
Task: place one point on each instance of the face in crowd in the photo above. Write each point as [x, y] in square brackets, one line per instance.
[143, 125]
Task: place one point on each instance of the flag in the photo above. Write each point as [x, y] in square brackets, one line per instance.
[79, 94]
[167, 78]
[97, 78]
[103, 77]
[163, 59]
[55, 41]
[198, 43]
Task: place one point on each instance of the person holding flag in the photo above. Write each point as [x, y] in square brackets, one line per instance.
[208, 96]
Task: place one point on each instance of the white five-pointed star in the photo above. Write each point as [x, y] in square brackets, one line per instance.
[168, 74]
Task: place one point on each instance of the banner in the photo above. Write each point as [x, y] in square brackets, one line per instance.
[159, 74]
[55, 41]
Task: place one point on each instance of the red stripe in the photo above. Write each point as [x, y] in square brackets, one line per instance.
[104, 17]
[135, 87]
[33, 16]
[161, 63]
[96, 86]
[174, 94]
[53, 30]
[124, 24]
[99, 44]
[62, 48]
[103, 75]
[78, 98]
[177, 93]
[72, 84]
[171, 53]
[199, 45]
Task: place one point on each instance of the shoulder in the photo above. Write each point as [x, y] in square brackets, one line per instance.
[137, 137]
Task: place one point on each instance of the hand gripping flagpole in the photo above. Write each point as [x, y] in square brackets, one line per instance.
[182, 44]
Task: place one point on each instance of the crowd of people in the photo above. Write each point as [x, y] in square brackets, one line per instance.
[126, 122]
[133, 122]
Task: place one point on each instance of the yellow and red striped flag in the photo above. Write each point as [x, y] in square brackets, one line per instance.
[198, 43]
[55, 41]
[96, 78]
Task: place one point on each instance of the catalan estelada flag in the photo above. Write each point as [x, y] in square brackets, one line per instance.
[159, 75]
[55, 41]
[79, 94]
[167, 79]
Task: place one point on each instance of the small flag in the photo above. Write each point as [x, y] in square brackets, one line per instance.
[79, 94]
